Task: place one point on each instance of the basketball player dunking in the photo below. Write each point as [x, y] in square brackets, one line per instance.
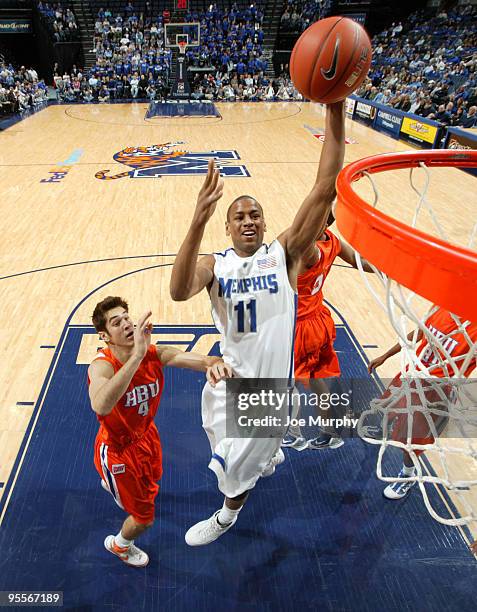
[125, 386]
[252, 290]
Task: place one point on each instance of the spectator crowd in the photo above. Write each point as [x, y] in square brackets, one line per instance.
[230, 38]
[60, 21]
[232, 87]
[300, 14]
[20, 89]
[131, 60]
[427, 66]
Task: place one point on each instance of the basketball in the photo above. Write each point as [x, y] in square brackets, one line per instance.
[330, 59]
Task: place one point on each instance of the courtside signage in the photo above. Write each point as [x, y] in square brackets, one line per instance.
[320, 134]
[461, 140]
[389, 122]
[418, 130]
[350, 105]
[365, 113]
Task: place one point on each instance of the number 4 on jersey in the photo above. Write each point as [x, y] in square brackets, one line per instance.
[143, 409]
[240, 308]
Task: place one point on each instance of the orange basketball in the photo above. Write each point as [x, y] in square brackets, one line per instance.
[330, 59]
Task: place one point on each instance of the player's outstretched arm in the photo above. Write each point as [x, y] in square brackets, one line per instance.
[214, 367]
[106, 388]
[347, 254]
[190, 276]
[394, 350]
[311, 218]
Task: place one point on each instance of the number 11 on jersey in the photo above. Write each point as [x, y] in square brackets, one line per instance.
[240, 308]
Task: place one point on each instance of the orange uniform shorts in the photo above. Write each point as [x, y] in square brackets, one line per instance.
[315, 356]
[132, 472]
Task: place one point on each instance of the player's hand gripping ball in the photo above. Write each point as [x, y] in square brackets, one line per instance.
[330, 59]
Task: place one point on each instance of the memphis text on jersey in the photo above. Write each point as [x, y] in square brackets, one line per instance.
[263, 282]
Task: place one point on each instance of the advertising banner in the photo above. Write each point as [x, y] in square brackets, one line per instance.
[388, 121]
[364, 112]
[15, 26]
[350, 105]
[419, 130]
[462, 140]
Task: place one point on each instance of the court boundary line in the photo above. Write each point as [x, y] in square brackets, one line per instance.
[124, 258]
[209, 123]
[80, 263]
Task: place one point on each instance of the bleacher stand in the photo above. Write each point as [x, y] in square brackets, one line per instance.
[300, 14]
[20, 88]
[231, 38]
[427, 66]
[131, 60]
[60, 21]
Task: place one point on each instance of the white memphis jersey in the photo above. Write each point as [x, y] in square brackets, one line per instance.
[254, 308]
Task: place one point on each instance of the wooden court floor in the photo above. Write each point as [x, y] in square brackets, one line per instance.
[63, 240]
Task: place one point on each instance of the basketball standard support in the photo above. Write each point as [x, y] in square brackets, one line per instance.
[181, 88]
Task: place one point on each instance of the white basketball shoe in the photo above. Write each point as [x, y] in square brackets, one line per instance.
[398, 490]
[207, 531]
[131, 555]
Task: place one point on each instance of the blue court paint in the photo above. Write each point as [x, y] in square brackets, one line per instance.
[48, 346]
[316, 535]
[25, 403]
[182, 109]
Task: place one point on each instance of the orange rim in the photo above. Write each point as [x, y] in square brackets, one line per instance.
[443, 273]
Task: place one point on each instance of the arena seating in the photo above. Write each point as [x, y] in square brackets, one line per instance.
[426, 66]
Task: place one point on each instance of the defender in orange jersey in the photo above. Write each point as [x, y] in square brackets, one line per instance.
[125, 385]
[437, 389]
[315, 357]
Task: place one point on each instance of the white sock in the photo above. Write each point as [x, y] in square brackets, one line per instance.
[122, 542]
[226, 515]
[408, 471]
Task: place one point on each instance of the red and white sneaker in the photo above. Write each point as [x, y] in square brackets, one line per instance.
[131, 555]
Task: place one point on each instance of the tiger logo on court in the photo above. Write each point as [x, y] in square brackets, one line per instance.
[156, 161]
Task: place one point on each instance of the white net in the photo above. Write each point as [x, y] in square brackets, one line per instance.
[431, 406]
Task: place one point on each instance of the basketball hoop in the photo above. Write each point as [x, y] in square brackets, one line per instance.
[429, 265]
[418, 274]
[182, 47]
